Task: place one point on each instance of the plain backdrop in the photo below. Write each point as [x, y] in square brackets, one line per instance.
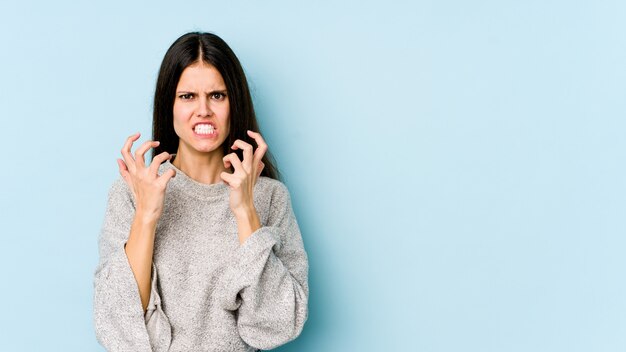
[456, 167]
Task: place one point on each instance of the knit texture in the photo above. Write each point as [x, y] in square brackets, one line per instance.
[209, 293]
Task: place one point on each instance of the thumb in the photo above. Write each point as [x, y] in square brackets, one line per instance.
[261, 166]
[124, 173]
[167, 176]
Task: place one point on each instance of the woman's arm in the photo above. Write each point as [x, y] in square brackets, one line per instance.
[139, 250]
[247, 223]
[148, 189]
[267, 282]
[118, 317]
[127, 311]
[242, 182]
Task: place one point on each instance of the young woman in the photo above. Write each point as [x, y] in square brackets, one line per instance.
[200, 249]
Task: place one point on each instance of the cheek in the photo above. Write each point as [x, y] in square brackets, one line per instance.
[179, 118]
[222, 113]
[222, 110]
[179, 111]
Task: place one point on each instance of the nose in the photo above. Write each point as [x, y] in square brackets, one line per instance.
[204, 109]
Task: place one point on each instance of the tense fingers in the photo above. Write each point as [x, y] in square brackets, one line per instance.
[139, 159]
[247, 153]
[128, 159]
[228, 179]
[147, 186]
[260, 169]
[233, 159]
[261, 146]
[165, 177]
[123, 169]
[157, 161]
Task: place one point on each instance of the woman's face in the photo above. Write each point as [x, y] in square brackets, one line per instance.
[201, 110]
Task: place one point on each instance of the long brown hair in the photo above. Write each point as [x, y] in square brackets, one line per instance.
[211, 49]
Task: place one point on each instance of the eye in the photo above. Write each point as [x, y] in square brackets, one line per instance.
[218, 96]
[186, 96]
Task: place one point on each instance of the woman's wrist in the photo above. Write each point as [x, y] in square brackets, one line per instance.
[146, 217]
[245, 211]
[247, 222]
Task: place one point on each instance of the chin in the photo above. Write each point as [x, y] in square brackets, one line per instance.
[204, 146]
[208, 149]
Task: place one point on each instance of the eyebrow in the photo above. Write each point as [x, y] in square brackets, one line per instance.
[223, 91]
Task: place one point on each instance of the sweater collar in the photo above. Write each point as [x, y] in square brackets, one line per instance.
[193, 187]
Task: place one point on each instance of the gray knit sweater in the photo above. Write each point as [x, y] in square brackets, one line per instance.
[209, 293]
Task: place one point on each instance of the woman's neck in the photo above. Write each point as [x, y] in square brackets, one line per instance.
[201, 167]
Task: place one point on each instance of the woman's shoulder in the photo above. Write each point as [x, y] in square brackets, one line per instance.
[119, 191]
[272, 190]
[271, 184]
[119, 185]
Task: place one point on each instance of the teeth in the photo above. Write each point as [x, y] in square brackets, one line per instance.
[204, 129]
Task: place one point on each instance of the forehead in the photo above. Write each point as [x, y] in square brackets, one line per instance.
[200, 76]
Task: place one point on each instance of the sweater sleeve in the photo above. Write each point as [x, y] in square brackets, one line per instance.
[267, 285]
[119, 321]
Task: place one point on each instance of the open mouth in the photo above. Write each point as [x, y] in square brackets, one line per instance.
[204, 129]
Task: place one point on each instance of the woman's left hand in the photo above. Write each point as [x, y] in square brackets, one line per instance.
[242, 181]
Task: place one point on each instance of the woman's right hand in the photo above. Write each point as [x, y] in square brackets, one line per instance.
[147, 186]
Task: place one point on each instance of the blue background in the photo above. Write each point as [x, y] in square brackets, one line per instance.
[457, 168]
